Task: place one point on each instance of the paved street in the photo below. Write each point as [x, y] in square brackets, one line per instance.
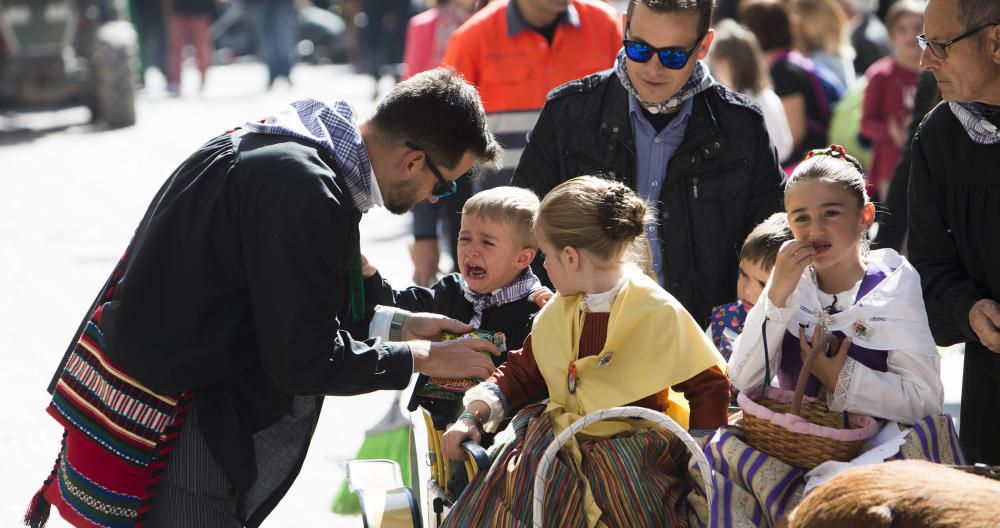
[70, 197]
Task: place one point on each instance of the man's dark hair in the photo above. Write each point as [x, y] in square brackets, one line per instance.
[704, 9]
[441, 113]
[762, 244]
[769, 20]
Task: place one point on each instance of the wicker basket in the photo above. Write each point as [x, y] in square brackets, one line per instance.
[800, 449]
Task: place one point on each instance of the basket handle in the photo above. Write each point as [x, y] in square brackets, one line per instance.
[542, 472]
[818, 347]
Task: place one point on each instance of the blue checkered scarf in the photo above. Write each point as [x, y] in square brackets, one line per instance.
[333, 129]
[521, 287]
[973, 118]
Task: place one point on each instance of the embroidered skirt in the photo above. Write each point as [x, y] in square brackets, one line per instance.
[754, 489]
[636, 480]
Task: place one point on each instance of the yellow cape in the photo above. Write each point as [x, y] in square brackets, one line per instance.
[653, 343]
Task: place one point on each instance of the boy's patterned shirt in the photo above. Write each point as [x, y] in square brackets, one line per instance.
[727, 317]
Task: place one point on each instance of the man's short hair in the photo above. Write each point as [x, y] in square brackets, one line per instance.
[704, 8]
[972, 13]
[762, 244]
[513, 206]
[441, 113]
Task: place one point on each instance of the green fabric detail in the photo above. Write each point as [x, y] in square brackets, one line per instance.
[357, 285]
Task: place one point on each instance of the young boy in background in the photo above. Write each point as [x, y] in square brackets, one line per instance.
[757, 257]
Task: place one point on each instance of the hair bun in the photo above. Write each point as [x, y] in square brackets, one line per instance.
[621, 213]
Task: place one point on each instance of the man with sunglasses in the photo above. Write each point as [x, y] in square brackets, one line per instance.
[954, 206]
[190, 393]
[697, 152]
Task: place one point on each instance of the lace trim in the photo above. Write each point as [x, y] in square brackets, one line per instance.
[489, 394]
[780, 315]
[837, 398]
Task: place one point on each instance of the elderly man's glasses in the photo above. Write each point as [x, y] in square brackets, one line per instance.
[670, 58]
[443, 187]
[940, 49]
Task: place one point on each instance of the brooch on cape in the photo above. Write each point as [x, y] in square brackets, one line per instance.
[605, 359]
[861, 330]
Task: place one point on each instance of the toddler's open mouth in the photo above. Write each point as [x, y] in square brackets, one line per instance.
[475, 272]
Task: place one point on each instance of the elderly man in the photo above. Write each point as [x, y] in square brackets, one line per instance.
[191, 392]
[698, 153]
[954, 205]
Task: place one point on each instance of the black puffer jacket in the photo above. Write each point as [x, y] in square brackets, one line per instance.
[722, 181]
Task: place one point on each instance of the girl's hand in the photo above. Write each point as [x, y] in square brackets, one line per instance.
[826, 369]
[793, 257]
[459, 433]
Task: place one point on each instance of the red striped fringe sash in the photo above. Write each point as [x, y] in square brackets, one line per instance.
[118, 436]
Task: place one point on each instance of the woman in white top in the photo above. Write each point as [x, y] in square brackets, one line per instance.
[737, 62]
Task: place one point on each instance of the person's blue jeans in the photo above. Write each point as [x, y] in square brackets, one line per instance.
[275, 24]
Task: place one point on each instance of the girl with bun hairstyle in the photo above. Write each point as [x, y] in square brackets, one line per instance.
[611, 336]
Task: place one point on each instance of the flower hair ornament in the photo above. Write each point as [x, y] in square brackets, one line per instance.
[839, 152]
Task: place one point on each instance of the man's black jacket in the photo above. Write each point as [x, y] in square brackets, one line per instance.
[721, 182]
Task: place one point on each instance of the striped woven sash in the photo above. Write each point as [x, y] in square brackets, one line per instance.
[117, 437]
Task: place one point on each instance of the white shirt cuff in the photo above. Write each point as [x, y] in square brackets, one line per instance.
[489, 394]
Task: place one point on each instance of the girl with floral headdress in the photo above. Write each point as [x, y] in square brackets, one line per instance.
[886, 365]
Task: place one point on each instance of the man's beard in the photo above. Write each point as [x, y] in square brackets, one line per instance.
[400, 200]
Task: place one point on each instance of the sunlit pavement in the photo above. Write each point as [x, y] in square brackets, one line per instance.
[70, 197]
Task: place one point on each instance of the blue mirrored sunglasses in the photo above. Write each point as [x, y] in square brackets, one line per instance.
[670, 58]
[443, 188]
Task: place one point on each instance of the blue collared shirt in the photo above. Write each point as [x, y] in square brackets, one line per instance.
[653, 151]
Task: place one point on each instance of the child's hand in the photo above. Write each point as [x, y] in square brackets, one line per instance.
[541, 296]
[826, 369]
[366, 268]
[459, 432]
[793, 257]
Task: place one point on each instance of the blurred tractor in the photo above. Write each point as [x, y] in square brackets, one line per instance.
[56, 53]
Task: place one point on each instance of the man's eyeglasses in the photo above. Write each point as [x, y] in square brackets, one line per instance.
[670, 58]
[443, 187]
[940, 49]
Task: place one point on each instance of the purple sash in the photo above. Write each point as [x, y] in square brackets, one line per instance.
[791, 360]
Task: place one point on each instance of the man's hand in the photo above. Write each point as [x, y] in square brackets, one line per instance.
[458, 358]
[429, 326]
[425, 255]
[793, 257]
[984, 318]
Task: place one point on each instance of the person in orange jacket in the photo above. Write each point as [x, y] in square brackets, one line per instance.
[515, 52]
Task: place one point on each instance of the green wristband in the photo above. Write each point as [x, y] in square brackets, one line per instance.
[474, 416]
[396, 326]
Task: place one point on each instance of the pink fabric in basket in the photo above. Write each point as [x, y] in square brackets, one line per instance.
[796, 424]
